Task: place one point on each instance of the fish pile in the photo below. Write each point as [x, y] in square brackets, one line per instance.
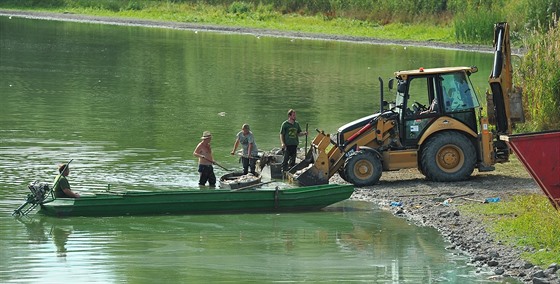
[242, 179]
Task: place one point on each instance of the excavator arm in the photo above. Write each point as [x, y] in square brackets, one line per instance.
[501, 81]
[503, 103]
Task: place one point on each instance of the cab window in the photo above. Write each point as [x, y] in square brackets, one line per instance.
[457, 93]
[417, 91]
[422, 94]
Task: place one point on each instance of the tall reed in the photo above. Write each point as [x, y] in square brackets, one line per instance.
[539, 74]
[475, 25]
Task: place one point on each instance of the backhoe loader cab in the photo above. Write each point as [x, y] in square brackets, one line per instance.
[434, 125]
[427, 94]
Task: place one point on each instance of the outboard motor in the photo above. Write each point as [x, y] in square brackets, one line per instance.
[39, 192]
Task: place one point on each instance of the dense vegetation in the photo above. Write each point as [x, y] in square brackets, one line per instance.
[539, 75]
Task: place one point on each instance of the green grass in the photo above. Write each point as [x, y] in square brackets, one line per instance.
[525, 221]
[473, 26]
[514, 167]
[267, 18]
[464, 21]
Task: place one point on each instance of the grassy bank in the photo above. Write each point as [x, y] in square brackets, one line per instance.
[539, 75]
[463, 21]
[527, 222]
[259, 16]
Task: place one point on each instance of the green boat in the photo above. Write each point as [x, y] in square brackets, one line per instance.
[196, 201]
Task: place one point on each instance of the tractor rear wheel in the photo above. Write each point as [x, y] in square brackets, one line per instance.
[363, 168]
[448, 156]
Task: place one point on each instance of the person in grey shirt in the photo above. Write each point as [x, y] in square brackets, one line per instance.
[250, 151]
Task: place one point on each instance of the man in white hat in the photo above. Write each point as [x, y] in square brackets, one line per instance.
[205, 160]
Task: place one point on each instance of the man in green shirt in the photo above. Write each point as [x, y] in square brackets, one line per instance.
[289, 137]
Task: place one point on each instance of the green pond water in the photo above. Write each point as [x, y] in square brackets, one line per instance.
[129, 104]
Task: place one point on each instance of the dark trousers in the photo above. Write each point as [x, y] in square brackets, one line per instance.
[246, 162]
[206, 175]
[290, 154]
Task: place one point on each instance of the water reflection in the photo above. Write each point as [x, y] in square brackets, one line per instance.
[60, 238]
[349, 242]
[40, 231]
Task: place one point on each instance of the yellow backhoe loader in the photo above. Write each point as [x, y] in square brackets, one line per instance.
[435, 125]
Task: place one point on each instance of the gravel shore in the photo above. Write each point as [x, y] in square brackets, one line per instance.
[406, 193]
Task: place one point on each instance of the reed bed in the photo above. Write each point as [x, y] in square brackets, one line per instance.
[539, 74]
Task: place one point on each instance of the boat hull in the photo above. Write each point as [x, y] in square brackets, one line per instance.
[199, 202]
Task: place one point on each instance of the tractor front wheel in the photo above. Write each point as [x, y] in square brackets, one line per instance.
[363, 168]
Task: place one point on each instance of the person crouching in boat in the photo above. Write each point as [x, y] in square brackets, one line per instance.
[62, 188]
[205, 160]
[250, 151]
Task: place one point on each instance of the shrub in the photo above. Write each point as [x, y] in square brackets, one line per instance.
[239, 8]
[541, 13]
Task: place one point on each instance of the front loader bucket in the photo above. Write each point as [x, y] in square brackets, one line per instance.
[309, 176]
[305, 173]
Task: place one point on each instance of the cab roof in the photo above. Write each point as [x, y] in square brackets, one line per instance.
[442, 70]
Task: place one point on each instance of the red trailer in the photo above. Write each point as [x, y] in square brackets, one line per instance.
[540, 154]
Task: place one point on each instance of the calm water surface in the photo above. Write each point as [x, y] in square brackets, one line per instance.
[350, 242]
[129, 104]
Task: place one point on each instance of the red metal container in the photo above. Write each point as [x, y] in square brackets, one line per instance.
[540, 154]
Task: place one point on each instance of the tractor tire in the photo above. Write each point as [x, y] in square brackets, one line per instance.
[363, 168]
[420, 169]
[447, 156]
[342, 174]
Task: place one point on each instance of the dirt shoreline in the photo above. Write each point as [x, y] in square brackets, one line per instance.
[422, 202]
